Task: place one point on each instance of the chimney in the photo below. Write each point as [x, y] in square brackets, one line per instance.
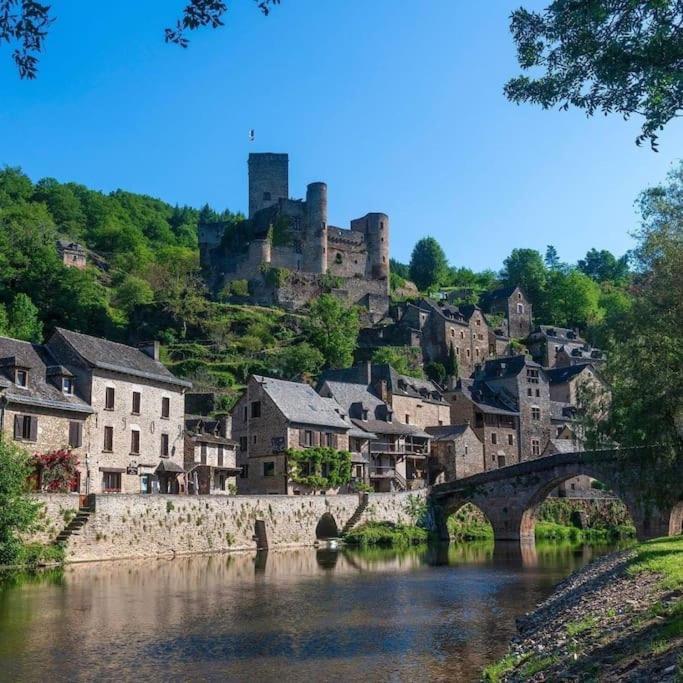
[368, 372]
[150, 348]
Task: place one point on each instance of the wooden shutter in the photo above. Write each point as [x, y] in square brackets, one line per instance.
[302, 437]
[17, 427]
[34, 429]
[75, 434]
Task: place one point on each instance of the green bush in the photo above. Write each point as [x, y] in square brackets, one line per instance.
[386, 534]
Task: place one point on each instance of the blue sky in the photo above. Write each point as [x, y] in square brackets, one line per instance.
[397, 105]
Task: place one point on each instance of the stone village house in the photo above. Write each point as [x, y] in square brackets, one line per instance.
[117, 407]
[275, 415]
[456, 452]
[397, 452]
[210, 457]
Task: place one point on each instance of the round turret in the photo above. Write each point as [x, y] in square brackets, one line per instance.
[315, 243]
[377, 240]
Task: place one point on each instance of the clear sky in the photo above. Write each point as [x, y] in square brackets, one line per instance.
[397, 105]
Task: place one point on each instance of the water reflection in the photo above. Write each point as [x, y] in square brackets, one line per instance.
[424, 613]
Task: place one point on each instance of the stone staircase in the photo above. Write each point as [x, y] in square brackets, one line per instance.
[74, 526]
[357, 514]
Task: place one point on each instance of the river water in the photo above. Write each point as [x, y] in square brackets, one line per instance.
[299, 615]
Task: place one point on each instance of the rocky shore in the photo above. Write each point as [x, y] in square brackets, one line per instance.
[618, 619]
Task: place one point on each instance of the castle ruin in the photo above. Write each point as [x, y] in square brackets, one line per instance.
[287, 251]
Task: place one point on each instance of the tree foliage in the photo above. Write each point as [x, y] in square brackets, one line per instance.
[622, 56]
[525, 267]
[56, 471]
[406, 360]
[332, 327]
[428, 265]
[24, 26]
[603, 266]
[17, 511]
[646, 356]
[320, 468]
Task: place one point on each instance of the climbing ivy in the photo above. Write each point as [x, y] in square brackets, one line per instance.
[320, 467]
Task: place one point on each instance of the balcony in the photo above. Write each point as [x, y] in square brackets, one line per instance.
[409, 448]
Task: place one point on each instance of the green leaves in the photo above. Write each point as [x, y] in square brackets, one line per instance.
[428, 265]
[603, 55]
[320, 468]
[332, 327]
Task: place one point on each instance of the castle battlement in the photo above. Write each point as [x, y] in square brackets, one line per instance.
[294, 235]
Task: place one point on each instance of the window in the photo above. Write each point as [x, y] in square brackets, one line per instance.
[68, 386]
[256, 408]
[109, 398]
[243, 443]
[308, 438]
[477, 322]
[452, 332]
[476, 351]
[440, 423]
[245, 414]
[165, 407]
[467, 352]
[538, 393]
[338, 258]
[501, 461]
[529, 391]
[535, 413]
[244, 472]
[457, 350]
[21, 378]
[266, 196]
[134, 441]
[467, 449]
[136, 403]
[365, 414]
[253, 439]
[111, 482]
[25, 428]
[535, 447]
[203, 451]
[532, 375]
[520, 308]
[220, 455]
[164, 445]
[269, 469]
[75, 434]
[494, 438]
[108, 445]
[462, 334]
[331, 440]
[407, 419]
[511, 439]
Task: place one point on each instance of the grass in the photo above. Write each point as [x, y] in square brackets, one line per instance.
[575, 628]
[663, 556]
[496, 672]
[386, 535]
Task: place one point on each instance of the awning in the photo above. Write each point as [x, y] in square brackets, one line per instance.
[169, 467]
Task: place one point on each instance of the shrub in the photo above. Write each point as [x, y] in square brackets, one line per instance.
[386, 534]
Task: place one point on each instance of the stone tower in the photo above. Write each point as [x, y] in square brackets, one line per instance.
[268, 180]
[315, 241]
[375, 227]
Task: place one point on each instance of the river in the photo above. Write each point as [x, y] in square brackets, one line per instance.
[297, 615]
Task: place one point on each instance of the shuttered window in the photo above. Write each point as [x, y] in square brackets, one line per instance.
[134, 441]
[220, 456]
[165, 407]
[75, 434]
[108, 439]
[25, 428]
[136, 403]
[164, 445]
[109, 397]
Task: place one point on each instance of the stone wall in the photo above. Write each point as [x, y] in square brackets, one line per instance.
[131, 526]
[56, 512]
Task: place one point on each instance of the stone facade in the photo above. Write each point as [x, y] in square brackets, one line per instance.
[553, 346]
[264, 429]
[456, 452]
[73, 254]
[131, 526]
[515, 307]
[293, 237]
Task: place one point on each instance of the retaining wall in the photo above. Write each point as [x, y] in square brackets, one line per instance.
[136, 526]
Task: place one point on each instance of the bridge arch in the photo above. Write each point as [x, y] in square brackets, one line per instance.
[326, 527]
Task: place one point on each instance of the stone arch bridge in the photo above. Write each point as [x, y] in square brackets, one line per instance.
[510, 496]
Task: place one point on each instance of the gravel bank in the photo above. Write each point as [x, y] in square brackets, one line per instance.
[601, 623]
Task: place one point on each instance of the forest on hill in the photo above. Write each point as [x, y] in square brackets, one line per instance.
[144, 282]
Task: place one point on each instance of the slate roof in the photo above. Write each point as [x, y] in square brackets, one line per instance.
[499, 294]
[559, 333]
[127, 360]
[562, 375]
[447, 432]
[401, 385]
[69, 245]
[40, 392]
[509, 366]
[354, 397]
[487, 399]
[299, 403]
[561, 411]
[564, 445]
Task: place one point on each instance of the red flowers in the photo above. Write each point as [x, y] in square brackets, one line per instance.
[56, 471]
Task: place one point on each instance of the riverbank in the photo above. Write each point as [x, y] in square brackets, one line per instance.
[618, 619]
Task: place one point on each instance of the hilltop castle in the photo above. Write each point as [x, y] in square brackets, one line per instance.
[288, 253]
